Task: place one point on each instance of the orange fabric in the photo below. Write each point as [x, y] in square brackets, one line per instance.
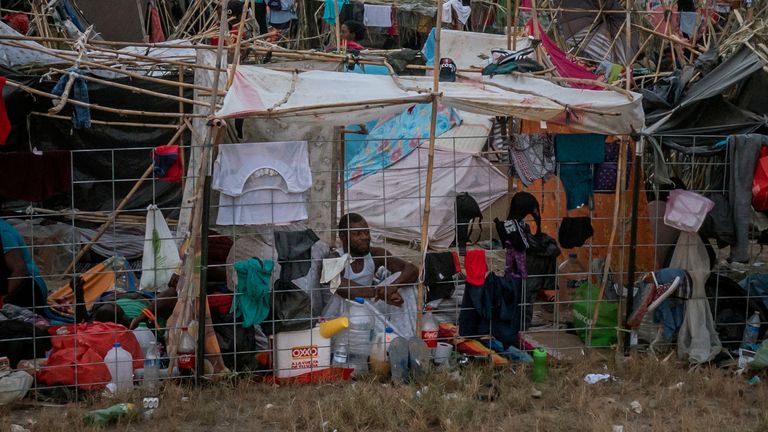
[97, 281]
[534, 127]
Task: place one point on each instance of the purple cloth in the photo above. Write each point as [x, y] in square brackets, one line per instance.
[515, 263]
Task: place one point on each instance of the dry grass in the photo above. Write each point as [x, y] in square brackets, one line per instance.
[708, 400]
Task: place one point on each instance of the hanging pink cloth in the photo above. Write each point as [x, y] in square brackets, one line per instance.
[155, 27]
[565, 67]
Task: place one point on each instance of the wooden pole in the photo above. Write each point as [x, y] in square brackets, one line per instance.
[430, 166]
[118, 209]
[509, 24]
[142, 23]
[337, 26]
[514, 24]
[236, 59]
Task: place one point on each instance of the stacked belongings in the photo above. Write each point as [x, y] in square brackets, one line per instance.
[505, 62]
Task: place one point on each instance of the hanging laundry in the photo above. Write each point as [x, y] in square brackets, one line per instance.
[254, 277]
[81, 116]
[606, 172]
[564, 65]
[462, 12]
[575, 155]
[167, 163]
[18, 22]
[394, 28]
[329, 15]
[5, 124]
[161, 256]
[35, 178]
[262, 183]
[155, 27]
[532, 157]
[378, 16]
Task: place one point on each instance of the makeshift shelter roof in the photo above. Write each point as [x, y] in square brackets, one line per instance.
[353, 98]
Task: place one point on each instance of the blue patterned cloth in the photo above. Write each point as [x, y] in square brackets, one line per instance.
[391, 139]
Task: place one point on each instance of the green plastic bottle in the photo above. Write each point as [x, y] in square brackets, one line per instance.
[539, 365]
[107, 415]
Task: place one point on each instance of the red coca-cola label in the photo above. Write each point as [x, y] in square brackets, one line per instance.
[187, 361]
[429, 337]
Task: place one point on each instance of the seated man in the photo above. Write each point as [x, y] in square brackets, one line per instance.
[20, 280]
[357, 278]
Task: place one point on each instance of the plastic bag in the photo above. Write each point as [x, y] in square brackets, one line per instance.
[161, 257]
[15, 386]
[697, 340]
[604, 333]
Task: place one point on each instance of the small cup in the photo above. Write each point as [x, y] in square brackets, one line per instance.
[329, 328]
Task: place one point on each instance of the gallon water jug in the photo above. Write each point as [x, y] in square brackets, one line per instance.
[145, 337]
[120, 365]
[360, 335]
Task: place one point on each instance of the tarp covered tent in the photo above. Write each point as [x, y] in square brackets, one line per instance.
[93, 167]
[389, 197]
[333, 98]
[468, 49]
[678, 114]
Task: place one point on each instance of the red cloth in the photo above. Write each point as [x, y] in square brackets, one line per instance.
[476, 266]
[35, 178]
[5, 124]
[314, 377]
[220, 302]
[565, 67]
[18, 22]
[77, 358]
[760, 182]
[456, 261]
[155, 27]
[168, 163]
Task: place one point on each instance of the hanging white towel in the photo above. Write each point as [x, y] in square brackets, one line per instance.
[161, 257]
[332, 270]
[378, 16]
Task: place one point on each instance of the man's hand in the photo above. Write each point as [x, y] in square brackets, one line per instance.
[395, 299]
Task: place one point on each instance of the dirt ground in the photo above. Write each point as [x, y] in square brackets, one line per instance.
[671, 397]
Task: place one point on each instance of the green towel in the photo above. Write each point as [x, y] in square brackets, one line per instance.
[252, 292]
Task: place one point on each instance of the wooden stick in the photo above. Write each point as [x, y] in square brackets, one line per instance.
[236, 59]
[430, 166]
[110, 123]
[668, 37]
[130, 88]
[514, 24]
[620, 181]
[509, 24]
[337, 25]
[142, 23]
[99, 107]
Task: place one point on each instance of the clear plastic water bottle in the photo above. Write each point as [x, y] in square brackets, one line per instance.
[340, 351]
[751, 331]
[152, 367]
[360, 334]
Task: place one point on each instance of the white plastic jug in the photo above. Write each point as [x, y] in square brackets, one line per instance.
[686, 210]
[120, 365]
[145, 337]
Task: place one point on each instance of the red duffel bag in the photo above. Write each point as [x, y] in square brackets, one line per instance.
[760, 182]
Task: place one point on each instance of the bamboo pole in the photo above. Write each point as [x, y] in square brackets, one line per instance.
[337, 24]
[142, 22]
[430, 166]
[98, 107]
[130, 88]
[110, 123]
[514, 24]
[509, 24]
[236, 59]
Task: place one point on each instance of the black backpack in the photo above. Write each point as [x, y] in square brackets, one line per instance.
[439, 270]
[467, 209]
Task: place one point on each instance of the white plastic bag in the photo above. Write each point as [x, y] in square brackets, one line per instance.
[161, 257]
[697, 341]
[14, 386]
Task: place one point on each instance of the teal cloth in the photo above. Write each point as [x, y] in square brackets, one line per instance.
[329, 14]
[252, 292]
[575, 154]
[12, 240]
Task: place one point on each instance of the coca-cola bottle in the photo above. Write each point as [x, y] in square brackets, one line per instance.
[429, 329]
[186, 353]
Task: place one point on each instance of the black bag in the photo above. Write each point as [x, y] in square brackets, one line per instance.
[467, 209]
[517, 233]
[439, 270]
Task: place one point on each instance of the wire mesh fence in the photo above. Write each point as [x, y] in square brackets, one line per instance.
[272, 295]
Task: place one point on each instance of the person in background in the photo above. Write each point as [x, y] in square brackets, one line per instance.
[352, 32]
[21, 284]
[357, 278]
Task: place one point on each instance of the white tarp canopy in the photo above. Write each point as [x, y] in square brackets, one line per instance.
[13, 56]
[391, 199]
[338, 99]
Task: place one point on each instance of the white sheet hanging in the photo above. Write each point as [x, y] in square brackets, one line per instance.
[378, 16]
[262, 183]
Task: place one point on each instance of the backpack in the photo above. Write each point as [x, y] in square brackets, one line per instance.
[439, 271]
[467, 209]
[516, 232]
